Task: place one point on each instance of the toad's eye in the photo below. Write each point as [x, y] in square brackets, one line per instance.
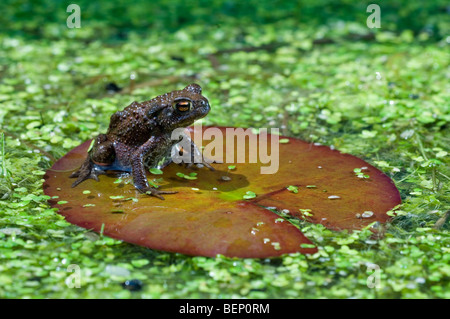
[182, 106]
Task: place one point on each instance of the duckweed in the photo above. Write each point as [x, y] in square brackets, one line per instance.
[325, 77]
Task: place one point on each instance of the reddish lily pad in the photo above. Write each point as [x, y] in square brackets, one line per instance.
[209, 215]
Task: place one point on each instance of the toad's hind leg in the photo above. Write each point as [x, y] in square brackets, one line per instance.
[101, 154]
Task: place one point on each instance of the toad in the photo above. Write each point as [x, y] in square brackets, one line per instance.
[140, 137]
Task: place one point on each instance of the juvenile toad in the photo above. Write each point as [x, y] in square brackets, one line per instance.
[140, 136]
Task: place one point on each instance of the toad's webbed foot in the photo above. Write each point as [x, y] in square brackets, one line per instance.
[87, 171]
[203, 163]
[155, 192]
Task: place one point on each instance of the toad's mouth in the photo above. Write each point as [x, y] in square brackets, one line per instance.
[195, 115]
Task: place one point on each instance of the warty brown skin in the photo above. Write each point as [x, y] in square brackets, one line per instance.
[140, 136]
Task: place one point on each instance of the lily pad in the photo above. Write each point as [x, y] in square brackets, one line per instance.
[213, 215]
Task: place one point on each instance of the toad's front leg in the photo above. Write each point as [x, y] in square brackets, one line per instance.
[138, 169]
[193, 154]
